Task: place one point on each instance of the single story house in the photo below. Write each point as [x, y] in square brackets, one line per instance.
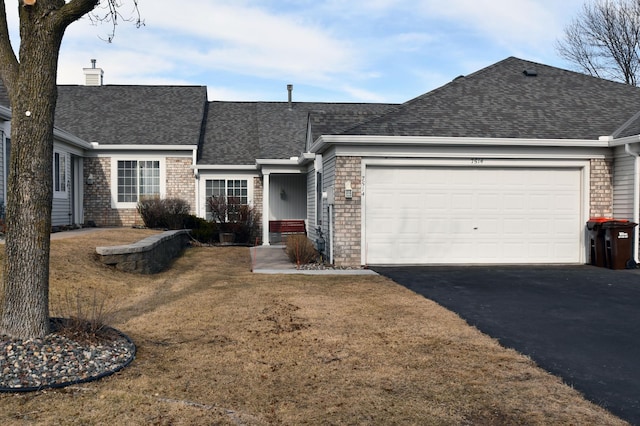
[502, 166]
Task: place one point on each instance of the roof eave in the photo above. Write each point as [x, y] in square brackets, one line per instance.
[326, 140]
[115, 147]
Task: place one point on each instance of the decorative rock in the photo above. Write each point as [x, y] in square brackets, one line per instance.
[56, 361]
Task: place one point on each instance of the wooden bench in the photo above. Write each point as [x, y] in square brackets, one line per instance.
[292, 226]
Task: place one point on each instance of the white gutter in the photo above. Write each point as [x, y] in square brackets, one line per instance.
[636, 201]
[323, 141]
[102, 147]
[248, 167]
[70, 138]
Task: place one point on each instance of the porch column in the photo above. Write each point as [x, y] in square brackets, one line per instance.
[265, 209]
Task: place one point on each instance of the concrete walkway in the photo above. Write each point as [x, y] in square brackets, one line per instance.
[72, 233]
[274, 260]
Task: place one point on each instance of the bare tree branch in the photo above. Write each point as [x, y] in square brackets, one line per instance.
[604, 40]
[111, 13]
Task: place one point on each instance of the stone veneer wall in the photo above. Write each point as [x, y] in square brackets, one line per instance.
[601, 188]
[148, 256]
[97, 197]
[347, 213]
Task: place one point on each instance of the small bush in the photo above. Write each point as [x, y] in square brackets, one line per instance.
[175, 212]
[202, 230]
[84, 319]
[240, 219]
[167, 213]
[300, 249]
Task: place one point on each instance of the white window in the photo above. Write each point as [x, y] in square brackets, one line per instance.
[134, 180]
[60, 174]
[232, 192]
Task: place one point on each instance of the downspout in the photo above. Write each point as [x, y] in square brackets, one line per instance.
[636, 201]
[196, 177]
[331, 234]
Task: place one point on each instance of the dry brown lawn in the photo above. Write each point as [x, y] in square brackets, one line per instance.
[220, 345]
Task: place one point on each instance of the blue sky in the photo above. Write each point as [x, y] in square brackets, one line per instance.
[330, 50]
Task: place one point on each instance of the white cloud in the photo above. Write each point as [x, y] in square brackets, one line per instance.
[509, 22]
[361, 50]
[250, 39]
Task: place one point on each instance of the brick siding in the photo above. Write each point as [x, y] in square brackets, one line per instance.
[258, 192]
[601, 189]
[97, 197]
[348, 212]
[180, 181]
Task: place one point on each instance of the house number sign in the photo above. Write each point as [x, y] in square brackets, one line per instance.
[622, 235]
[477, 161]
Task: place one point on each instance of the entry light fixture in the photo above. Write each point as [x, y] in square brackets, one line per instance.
[348, 192]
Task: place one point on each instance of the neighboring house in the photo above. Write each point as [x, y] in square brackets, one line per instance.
[505, 165]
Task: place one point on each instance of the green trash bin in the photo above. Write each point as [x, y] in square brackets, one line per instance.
[618, 239]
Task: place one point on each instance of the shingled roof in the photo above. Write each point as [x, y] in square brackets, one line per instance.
[240, 132]
[132, 115]
[513, 98]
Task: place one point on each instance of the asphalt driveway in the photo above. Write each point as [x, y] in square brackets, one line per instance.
[581, 323]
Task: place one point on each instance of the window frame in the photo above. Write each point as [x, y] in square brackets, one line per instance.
[226, 189]
[61, 171]
[137, 159]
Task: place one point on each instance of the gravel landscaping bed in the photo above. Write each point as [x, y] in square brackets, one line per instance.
[327, 267]
[57, 361]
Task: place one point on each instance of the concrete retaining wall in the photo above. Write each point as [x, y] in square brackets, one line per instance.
[147, 256]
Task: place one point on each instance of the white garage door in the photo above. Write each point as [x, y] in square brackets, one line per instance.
[472, 215]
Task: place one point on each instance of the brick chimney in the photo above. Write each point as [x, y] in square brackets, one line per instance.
[93, 76]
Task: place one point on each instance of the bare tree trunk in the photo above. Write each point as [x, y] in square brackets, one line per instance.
[31, 84]
[25, 310]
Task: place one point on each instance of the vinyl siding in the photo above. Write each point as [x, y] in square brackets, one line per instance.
[623, 185]
[311, 203]
[287, 197]
[328, 180]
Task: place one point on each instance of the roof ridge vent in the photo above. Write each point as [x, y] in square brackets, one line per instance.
[530, 72]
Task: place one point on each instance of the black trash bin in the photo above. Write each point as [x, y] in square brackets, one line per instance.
[597, 253]
[619, 244]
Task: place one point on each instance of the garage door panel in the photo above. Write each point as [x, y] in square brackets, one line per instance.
[467, 215]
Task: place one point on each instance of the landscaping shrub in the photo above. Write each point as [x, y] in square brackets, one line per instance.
[84, 317]
[175, 212]
[202, 230]
[167, 213]
[301, 250]
[232, 217]
[247, 226]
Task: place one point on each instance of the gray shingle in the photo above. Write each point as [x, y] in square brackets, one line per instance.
[138, 115]
[500, 101]
[241, 132]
